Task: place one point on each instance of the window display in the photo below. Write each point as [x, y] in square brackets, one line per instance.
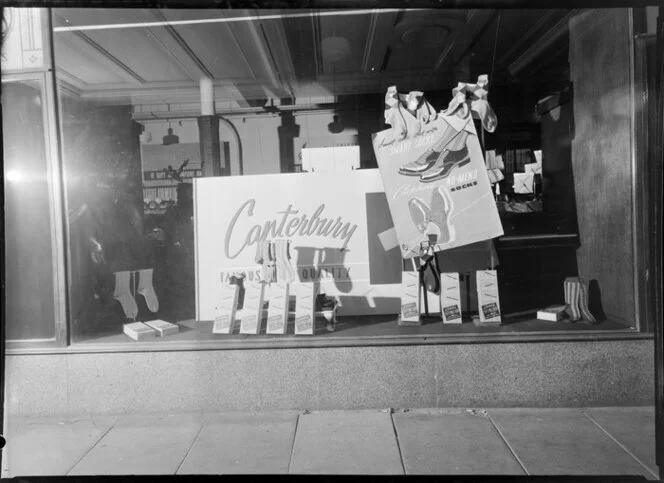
[245, 187]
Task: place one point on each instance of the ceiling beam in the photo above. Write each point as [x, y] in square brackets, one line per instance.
[530, 33]
[277, 42]
[173, 43]
[541, 44]
[85, 44]
[381, 26]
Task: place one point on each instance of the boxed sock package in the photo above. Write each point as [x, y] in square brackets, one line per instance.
[450, 298]
[277, 312]
[139, 331]
[305, 307]
[487, 296]
[226, 309]
[252, 309]
[162, 327]
[410, 298]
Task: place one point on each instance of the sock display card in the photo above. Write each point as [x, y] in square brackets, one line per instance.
[252, 310]
[277, 311]
[139, 331]
[487, 296]
[305, 307]
[450, 297]
[410, 298]
[226, 309]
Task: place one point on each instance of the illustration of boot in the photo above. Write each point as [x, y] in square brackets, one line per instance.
[452, 140]
[445, 164]
[572, 297]
[441, 210]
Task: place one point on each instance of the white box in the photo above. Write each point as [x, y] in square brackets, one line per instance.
[450, 298]
[278, 294]
[252, 309]
[524, 183]
[532, 168]
[488, 301]
[139, 331]
[305, 307]
[226, 309]
[162, 327]
[410, 297]
[553, 313]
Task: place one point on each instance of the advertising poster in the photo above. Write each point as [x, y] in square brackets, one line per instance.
[333, 221]
[436, 182]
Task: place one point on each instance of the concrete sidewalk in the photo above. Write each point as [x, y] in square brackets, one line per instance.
[595, 441]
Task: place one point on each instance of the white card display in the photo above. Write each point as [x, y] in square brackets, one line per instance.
[305, 307]
[277, 312]
[410, 297]
[450, 298]
[252, 309]
[487, 296]
[226, 309]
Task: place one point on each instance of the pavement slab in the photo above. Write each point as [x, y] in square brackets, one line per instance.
[632, 427]
[452, 442]
[49, 446]
[243, 444]
[346, 442]
[142, 445]
[562, 442]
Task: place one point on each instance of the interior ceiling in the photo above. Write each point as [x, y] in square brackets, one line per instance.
[148, 56]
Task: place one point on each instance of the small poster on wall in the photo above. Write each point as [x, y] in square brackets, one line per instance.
[434, 173]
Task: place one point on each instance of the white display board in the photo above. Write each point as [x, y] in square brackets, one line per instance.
[333, 220]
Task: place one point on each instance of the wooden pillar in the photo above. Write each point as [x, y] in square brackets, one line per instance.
[208, 131]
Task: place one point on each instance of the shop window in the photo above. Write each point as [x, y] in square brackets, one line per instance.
[30, 298]
[181, 162]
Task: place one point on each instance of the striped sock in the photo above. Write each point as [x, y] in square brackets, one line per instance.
[572, 294]
[583, 303]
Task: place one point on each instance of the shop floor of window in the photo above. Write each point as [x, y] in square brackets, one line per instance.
[376, 326]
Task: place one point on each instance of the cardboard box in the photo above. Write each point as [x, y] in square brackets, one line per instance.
[162, 327]
[139, 331]
[553, 313]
